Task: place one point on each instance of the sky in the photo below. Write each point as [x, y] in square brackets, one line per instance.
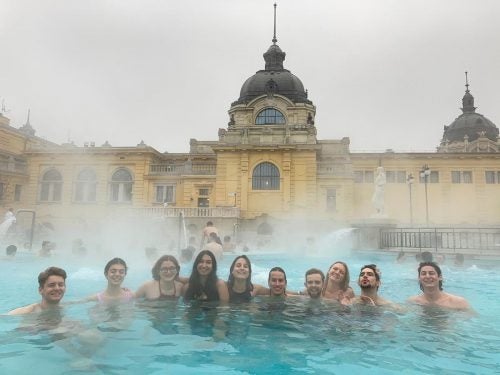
[385, 73]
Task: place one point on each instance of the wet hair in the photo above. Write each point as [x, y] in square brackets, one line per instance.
[344, 285]
[276, 269]
[51, 271]
[11, 250]
[115, 261]
[230, 279]
[426, 256]
[155, 271]
[196, 288]
[279, 269]
[436, 268]
[314, 271]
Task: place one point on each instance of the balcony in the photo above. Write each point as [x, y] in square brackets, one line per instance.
[13, 166]
[193, 212]
[182, 169]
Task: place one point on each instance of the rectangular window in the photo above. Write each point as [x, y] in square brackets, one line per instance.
[368, 176]
[1, 190]
[203, 192]
[164, 194]
[17, 193]
[401, 177]
[434, 177]
[331, 200]
[490, 177]
[390, 177]
[461, 177]
[455, 177]
[358, 177]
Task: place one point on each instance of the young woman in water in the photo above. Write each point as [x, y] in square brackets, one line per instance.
[337, 283]
[115, 272]
[203, 284]
[239, 284]
[165, 284]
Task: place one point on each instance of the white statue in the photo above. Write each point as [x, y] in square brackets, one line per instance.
[379, 193]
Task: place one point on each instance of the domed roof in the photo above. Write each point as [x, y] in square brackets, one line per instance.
[470, 123]
[274, 79]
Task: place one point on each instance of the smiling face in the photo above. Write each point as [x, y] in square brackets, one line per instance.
[336, 273]
[205, 265]
[277, 283]
[314, 285]
[168, 270]
[368, 279]
[53, 290]
[116, 274]
[241, 269]
[429, 278]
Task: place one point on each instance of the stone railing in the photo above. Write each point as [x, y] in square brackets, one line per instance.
[208, 212]
[174, 170]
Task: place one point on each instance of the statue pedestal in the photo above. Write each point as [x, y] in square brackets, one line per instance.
[368, 231]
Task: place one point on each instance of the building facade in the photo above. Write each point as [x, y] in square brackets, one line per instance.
[268, 162]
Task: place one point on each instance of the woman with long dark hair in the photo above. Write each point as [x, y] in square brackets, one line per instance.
[165, 284]
[203, 284]
[239, 284]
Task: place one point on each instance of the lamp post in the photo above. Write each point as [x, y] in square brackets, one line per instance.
[410, 181]
[425, 173]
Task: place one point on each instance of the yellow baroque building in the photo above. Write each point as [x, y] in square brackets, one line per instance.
[267, 162]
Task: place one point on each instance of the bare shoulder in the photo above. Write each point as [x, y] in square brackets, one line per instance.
[457, 302]
[419, 299]
[25, 309]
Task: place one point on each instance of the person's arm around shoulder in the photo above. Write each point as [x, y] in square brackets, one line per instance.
[185, 287]
[259, 290]
[223, 291]
[141, 292]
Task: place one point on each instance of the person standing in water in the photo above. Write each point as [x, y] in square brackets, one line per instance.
[430, 279]
[164, 285]
[51, 286]
[337, 283]
[115, 272]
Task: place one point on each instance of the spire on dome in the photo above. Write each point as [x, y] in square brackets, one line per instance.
[468, 99]
[27, 128]
[274, 56]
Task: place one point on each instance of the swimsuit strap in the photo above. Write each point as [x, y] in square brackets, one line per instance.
[162, 296]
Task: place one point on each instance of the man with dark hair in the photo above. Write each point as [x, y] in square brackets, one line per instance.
[52, 285]
[369, 282]
[277, 282]
[315, 280]
[430, 279]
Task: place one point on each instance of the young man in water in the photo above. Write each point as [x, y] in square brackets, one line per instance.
[315, 280]
[430, 279]
[369, 282]
[277, 282]
[52, 285]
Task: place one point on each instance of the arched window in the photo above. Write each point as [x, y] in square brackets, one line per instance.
[86, 186]
[121, 186]
[270, 116]
[266, 176]
[51, 186]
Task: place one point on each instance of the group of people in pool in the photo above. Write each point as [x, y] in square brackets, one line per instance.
[204, 285]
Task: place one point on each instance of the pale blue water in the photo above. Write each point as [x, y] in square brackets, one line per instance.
[257, 338]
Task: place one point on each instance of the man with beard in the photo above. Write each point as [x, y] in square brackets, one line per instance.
[52, 286]
[430, 279]
[314, 283]
[369, 282]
